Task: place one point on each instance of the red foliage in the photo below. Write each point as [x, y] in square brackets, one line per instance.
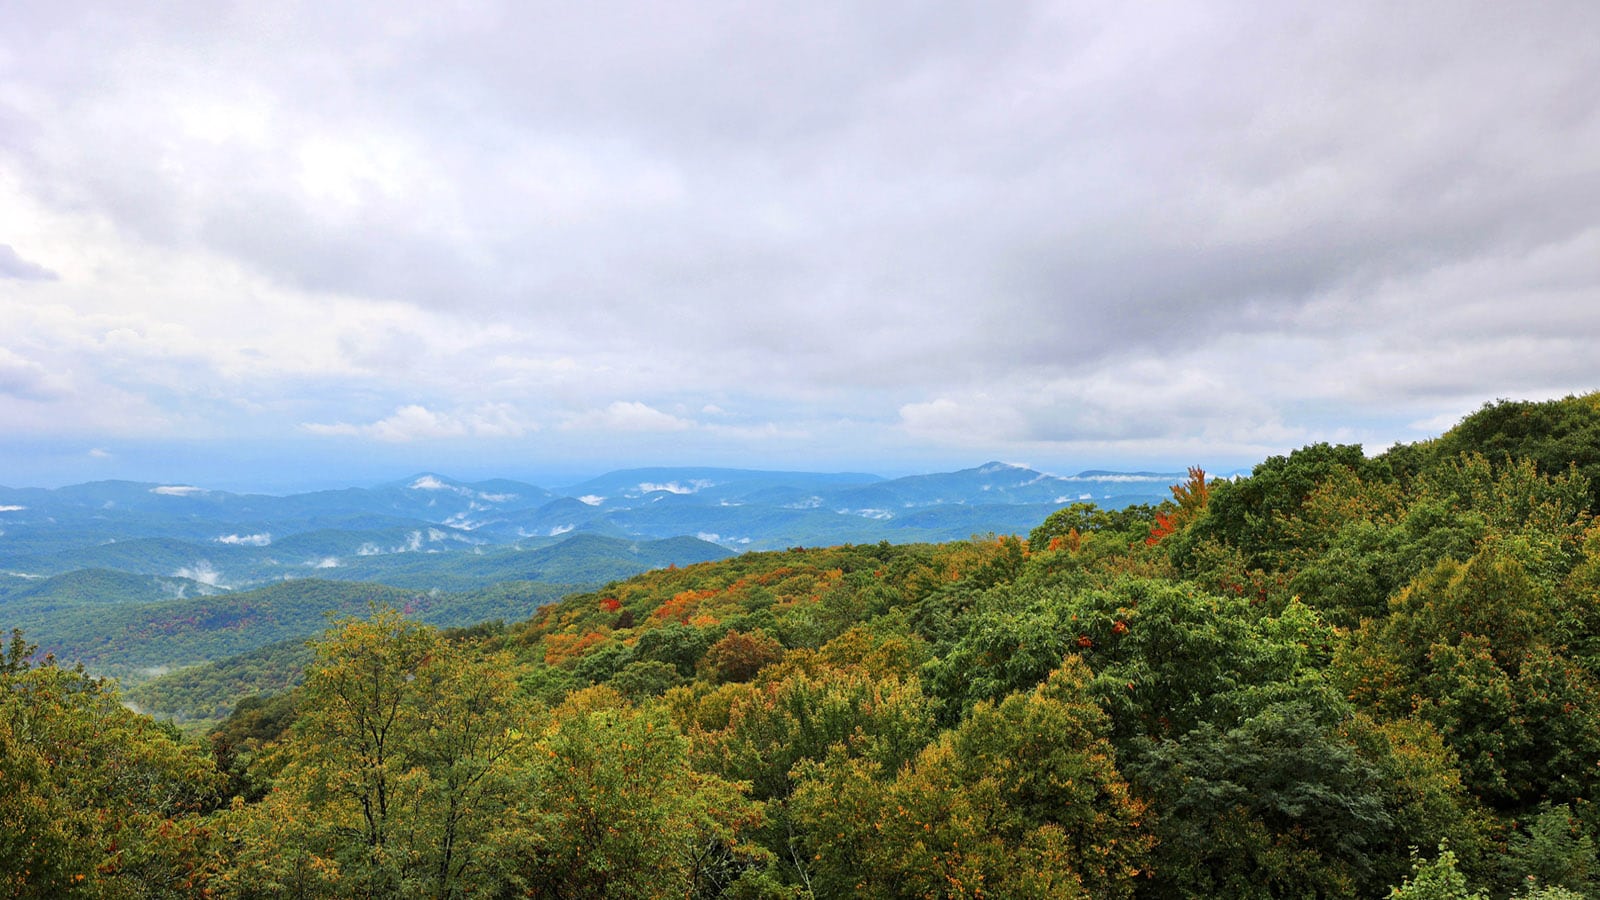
[1163, 527]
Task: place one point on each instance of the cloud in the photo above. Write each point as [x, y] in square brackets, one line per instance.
[626, 416]
[177, 490]
[100, 453]
[247, 540]
[976, 418]
[14, 266]
[418, 423]
[830, 226]
[28, 380]
[202, 572]
[674, 487]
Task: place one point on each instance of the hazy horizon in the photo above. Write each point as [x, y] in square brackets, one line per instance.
[550, 479]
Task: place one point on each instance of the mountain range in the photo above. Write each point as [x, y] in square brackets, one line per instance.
[135, 579]
[430, 531]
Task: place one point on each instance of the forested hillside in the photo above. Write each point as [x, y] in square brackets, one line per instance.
[1340, 676]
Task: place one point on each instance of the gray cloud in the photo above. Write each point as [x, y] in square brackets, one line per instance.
[969, 218]
[14, 266]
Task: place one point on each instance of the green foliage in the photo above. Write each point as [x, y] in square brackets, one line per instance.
[1129, 523]
[1022, 800]
[1355, 657]
[1553, 851]
[1280, 804]
[1555, 435]
[1477, 651]
[1253, 514]
[617, 811]
[399, 764]
[207, 693]
[1436, 879]
[96, 799]
[759, 733]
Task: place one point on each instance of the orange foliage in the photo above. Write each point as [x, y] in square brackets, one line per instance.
[1191, 497]
[561, 647]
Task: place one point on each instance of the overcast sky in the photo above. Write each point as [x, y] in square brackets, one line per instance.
[290, 244]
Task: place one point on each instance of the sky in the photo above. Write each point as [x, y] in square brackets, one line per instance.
[292, 244]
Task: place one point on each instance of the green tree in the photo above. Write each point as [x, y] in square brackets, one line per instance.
[1477, 650]
[1436, 879]
[398, 763]
[1023, 799]
[615, 810]
[1280, 804]
[1253, 514]
[96, 799]
[1556, 435]
[1553, 851]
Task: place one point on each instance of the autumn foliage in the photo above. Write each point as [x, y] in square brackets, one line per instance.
[1299, 683]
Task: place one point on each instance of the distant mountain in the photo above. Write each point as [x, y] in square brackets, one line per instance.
[102, 565]
[133, 625]
[239, 540]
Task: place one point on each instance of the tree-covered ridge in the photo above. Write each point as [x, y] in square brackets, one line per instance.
[1340, 676]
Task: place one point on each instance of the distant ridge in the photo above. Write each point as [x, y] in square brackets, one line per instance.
[430, 531]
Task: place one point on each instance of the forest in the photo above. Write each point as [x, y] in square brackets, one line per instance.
[1341, 676]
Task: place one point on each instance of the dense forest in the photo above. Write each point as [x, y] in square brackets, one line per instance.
[1340, 676]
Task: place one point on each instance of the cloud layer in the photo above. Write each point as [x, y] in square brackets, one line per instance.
[845, 234]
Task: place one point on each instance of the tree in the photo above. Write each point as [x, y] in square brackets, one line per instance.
[1556, 435]
[1478, 651]
[615, 810]
[1436, 879]
[1252, 514]
[1280, 804]
[95, 798]
[738, 655]
[398, 763]
[1023, 799]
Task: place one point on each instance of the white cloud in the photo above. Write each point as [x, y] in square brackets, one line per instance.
[249, 540]
[177, 490]
[558, 530]
[202, 572]
[29, 380]
[626, 416]
[673, 487]
[415, 422]
[591, 499]
[979, 419]
[12, 508]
